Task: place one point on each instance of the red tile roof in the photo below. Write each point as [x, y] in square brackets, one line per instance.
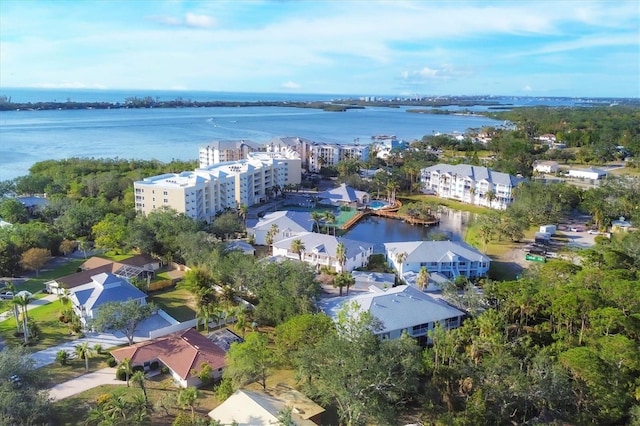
[182, 352]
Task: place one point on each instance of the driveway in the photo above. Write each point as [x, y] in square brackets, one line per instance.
[106, 376]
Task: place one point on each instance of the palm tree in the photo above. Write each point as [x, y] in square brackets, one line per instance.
[297, 246]
[16, 311]
[187, 398]
[491, 196]
[204, 317]
[126, 366]
[422, 280]
[343, 279]
[84, 351]
[22, 300]
[242, 211]
[316, 217]
[341, 255]
[400, 258]
[329, 218]
[138, 378]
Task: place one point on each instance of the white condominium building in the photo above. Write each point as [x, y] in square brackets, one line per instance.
[203, 193]
[470, 184]
[314, 155]
[217, 152]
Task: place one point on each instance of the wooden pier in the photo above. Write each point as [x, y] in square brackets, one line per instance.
[390, 213]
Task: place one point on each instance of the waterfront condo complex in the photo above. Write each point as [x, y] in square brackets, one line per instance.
[470, 184]
[206, 191]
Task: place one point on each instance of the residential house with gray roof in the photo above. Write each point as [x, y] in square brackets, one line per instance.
[321, 250]
[400, 309]
[103, 288]
[288, 223]
[470, 184]
[444, 260]
[343, 195]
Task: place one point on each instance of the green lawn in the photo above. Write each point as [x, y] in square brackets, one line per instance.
[452, 204]
[35, 285]
[179, 303]
[76, 367]
[52, 331]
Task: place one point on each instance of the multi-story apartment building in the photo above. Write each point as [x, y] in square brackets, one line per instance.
[470, 184]
[315, 155]
[217, 152]
[203, 193]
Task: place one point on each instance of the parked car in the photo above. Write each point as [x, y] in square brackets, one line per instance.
[6, 295]
[574, 229]
[593, 232]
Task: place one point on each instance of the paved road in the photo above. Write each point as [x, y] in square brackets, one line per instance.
[106, 376]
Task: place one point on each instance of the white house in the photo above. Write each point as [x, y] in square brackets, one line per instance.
[400, 309]
[288, 223]
[103, 288]
[546, 167]
[447, 258]
[470, 184]
[590, 173]
[320, 250]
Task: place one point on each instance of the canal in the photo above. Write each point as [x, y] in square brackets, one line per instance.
[378, 230]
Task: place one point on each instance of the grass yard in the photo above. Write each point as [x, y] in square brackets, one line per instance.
[52, 331]
[452, 204]
[35, 285]
[179, 303]
[75, 368]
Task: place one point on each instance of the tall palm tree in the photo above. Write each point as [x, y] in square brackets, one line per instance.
[297, 246]
[400, 258]
[22, 300]
[204, 317]
[187, 398]
[242, 211]
[491, 196]
[138, 378]
[316, 217]
[329, 218]
[422, 280]
[84, 351]
[341, 255]
[16, 312]
[127, 367]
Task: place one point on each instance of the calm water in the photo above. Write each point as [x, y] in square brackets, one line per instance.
[379, 230]
[164, 134]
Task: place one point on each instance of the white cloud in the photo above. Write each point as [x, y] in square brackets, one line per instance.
[444, 72]
[69, 85]
[290, 85]
[527, 88]
[199, 21]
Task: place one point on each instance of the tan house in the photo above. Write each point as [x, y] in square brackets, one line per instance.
[183, 353]
[262, 408]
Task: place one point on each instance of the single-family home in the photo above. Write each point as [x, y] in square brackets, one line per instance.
[321, 250]
[590, 173]
[547, 138]
[546, 166]
[401, 309]
[343, 195]
[86, 299]
[241, 246]
[263, 408]
[141, 267]
[620, 225]
[183, 353]
[447, 258]
[288, 223]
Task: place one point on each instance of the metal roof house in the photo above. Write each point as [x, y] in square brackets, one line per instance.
[447, 258]
[103, 288]
[400, 309]
[289, 224]
[320, 250]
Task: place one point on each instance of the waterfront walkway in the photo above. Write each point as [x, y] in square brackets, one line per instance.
[390, 212]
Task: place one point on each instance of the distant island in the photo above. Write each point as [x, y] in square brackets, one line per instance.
[6, 104]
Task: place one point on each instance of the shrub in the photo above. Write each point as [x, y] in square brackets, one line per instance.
[121, 375]
[164, 369]
[103, 398]
[154, 365]
[111, 362]
[137, 368]
[62, 357]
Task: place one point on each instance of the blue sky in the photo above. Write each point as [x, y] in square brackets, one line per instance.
[536, 48]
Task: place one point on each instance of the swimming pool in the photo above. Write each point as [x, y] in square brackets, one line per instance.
[377, 204]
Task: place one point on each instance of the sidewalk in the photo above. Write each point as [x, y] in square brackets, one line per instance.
[106, 376]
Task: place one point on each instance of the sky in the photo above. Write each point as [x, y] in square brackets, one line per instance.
[575, 48]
